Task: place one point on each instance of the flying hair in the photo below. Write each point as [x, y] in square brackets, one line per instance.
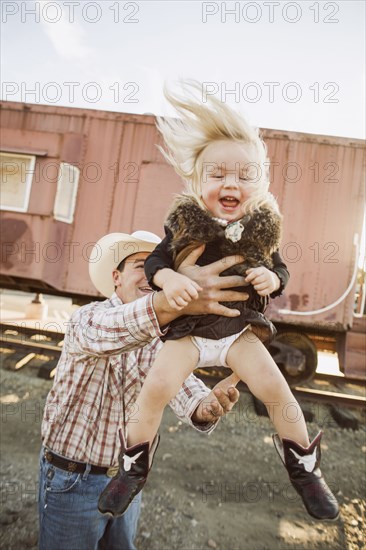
[202, 120]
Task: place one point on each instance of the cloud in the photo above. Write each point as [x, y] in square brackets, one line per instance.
[68, 38]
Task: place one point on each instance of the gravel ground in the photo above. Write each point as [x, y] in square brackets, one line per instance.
[227, 491]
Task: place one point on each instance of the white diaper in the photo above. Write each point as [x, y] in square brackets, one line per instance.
[213, 353]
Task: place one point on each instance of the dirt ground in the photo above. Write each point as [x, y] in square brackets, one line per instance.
[227, 491]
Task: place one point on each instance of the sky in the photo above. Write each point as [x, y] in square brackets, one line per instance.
[296, 66]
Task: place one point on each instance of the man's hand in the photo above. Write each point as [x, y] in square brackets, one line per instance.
[264, 281]
[218, 402]
[214, 287]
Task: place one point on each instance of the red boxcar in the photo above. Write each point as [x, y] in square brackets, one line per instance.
[71, 175]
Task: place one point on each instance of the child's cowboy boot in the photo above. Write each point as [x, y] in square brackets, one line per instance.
[134, 465]
[303, 469]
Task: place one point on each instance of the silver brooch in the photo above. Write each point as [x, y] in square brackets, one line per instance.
[234, 231]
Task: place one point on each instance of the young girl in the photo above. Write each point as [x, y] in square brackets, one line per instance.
[227, 207]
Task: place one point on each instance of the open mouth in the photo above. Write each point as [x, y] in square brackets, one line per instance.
[229, 203]
[145, 289]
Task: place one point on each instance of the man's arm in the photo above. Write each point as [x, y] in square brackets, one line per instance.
[103, 328]
[196, 405]
[218, 402]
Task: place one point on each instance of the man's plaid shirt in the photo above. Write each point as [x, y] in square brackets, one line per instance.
[109, 347]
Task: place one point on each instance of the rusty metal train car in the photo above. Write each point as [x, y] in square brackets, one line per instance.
[69, 176]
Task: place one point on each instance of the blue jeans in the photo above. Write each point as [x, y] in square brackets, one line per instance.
[68, 513]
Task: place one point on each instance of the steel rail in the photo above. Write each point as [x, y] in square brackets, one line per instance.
[306, 394]
[36, 347]
[331, 398]
[20, 328]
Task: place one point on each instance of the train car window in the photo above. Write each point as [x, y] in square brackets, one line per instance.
[67, 188]
[16, 173]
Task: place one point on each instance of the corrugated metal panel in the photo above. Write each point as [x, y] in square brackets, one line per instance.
[156, 181]
[32, 140]
[323, 208]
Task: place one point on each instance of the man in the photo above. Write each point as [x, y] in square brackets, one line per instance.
[109, 347]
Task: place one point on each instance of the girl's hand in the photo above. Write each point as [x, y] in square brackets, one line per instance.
[179, 290]
[264, 281]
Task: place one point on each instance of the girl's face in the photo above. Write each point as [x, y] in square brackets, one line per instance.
[229, 173]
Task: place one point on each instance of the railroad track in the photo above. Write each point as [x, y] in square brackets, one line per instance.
[313, 394]
[27, 347]
[41, 348]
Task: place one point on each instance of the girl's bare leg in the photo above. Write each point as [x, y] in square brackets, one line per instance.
[174, 363]
[250, 360]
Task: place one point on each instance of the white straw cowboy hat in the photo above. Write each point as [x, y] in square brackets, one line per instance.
[109, 252]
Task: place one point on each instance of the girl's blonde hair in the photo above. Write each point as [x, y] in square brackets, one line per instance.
[201, 123]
